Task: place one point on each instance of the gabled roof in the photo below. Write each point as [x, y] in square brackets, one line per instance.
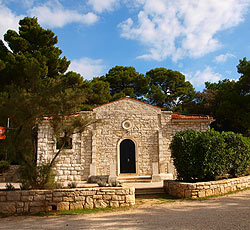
[127, 98]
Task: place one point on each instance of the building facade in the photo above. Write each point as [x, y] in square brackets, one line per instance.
[133, 139]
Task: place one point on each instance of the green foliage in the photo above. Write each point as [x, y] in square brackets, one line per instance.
[227, 101]
[72, 185]
[125, 81]
[4, 165]
[37, 176]
[9, 187]
[204, 156]
[168, 88]
[238, 153]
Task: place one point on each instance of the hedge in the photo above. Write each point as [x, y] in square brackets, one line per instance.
[204, 156]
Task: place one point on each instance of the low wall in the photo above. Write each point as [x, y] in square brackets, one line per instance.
[204, 189]
[33, 201]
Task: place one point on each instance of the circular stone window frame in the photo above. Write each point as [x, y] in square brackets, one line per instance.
[127, 124]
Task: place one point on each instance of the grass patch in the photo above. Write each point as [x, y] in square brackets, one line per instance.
[80, 211]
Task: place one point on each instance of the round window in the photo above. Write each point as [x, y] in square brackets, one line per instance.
[126, 124]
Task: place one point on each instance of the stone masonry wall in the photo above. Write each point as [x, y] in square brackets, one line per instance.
[97, 150]
[72, 164]
[169, 128]
[144, 120]
[204, 189]
[33, 201]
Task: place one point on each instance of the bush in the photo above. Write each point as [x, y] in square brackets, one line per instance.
[37, 176]
[9, 187]
[184, 151]
[238, 153]
[204, 156]
[4, 165]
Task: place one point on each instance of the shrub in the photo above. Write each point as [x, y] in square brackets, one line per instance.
[184, 151]
[72, 184]
[37, 176]
[238, 153]
[203, 156]
[4, 165]
[211, 155]
[9, 187]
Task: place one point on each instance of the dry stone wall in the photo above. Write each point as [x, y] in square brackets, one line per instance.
[33, 201]
[205, 189]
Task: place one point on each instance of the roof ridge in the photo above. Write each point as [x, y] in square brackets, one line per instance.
[127, 97]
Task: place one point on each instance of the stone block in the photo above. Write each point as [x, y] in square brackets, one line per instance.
[19, 204]
[26, 198]
[120, 192]
[106, 197]
[208, 192]
[87, 193]
[76, 205]
[60, 194]
[97, 197]
[89, 203]
[63, 206]
[57, 199]
[188, 194]
[13, 196]
[2, 198]
[114, 204]
[130, 199]
[19, 210]
[68, 199]
[80, 198]
[201, 193]
[39, 198]
[37, 203]
[100, 204]
[7, 207]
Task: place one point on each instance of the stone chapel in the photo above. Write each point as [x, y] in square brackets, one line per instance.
[132, 140]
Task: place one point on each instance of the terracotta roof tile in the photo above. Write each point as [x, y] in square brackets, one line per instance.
[180, 116]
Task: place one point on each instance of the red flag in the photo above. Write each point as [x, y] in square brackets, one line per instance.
[2, 133]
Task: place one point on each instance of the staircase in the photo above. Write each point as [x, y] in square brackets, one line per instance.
[143, 185]
[140, 192]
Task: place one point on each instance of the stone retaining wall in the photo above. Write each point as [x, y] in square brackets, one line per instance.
[204, 189]
[33, 201]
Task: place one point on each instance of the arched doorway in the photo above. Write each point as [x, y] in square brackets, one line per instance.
[127, 156]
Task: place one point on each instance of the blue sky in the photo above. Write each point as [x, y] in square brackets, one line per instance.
[203, 39]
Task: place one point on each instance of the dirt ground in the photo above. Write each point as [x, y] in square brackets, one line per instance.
[228, 212]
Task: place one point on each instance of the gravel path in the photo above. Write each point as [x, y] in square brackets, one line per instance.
[229, 212]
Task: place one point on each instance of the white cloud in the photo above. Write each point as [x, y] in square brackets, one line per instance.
[200, 77]
[8, 20]
[103, 5]
[53, 14]
[223, 57]
[88, 68]
[180, 28]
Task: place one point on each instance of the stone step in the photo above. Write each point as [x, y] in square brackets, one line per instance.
[149, 191]
[135, 179]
